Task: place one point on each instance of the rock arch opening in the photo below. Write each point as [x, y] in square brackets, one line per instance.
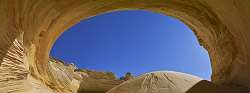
[135, 41]
[26, 43]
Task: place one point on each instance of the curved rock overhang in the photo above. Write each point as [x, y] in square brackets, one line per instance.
[28, 29]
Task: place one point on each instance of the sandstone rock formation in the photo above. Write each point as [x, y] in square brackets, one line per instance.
[98, 74]
[97, 82]
[169, 82]
[66, 74]
[88, 81]
[84, 80]
[28, 29]
[92, 85]
[158, 82]
[209, 87]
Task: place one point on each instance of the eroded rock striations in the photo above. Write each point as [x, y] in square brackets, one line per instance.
[169, 82]
[83, 80]
[28, 29]
[66, 74]
[97, 82]
[158, 82]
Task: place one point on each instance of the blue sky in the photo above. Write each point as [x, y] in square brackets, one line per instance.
[133, 41]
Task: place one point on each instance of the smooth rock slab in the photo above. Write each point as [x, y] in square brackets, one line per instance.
[158, 82]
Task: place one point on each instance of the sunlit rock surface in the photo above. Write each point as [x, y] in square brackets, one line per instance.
[28, 29]
[83, 80]
[65, 73]
[158, 82]
[170, 82]
[97, 82]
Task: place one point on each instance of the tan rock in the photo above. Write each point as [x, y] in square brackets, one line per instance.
[97, 82]
[98, 74]
[92, 85]
[158, 82]
[66, 74]
[28, 29]
[169, 82]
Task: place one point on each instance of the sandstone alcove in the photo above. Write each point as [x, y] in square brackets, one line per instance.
[30, 27]
[133, 41]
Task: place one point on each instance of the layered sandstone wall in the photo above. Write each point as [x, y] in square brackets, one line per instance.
[28, 29]
[83, 80]
[98, 82]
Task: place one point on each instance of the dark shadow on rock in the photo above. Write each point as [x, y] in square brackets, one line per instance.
[209, 87]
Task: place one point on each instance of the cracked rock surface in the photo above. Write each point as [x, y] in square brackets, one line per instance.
[158, 82]
[170, 82]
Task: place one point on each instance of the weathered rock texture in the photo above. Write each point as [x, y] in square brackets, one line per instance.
[169, 82]
[98, 74]
[92, 85]
[97, 82]
[66, 74]
[28, 29]
[158, 82]
[83, 80]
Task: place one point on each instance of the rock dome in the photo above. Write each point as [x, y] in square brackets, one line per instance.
[158, 82]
